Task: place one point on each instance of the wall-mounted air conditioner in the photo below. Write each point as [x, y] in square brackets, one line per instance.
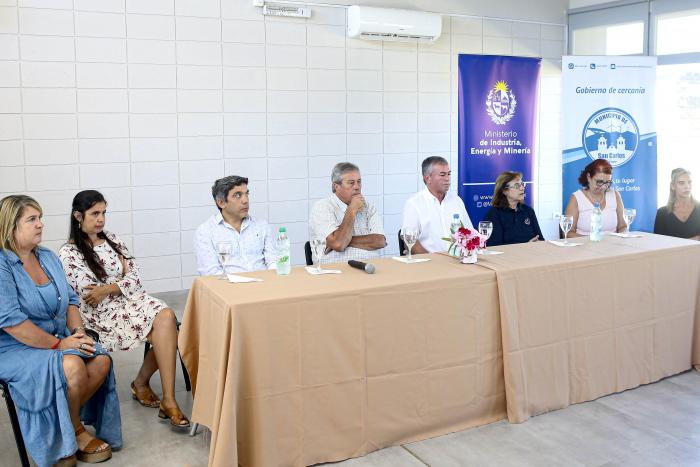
[388, 24]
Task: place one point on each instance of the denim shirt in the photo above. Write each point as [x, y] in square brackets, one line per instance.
[20, 299]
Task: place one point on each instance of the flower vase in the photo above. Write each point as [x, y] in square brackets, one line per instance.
[469, 257]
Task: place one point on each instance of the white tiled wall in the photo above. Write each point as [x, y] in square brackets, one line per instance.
[151, 101]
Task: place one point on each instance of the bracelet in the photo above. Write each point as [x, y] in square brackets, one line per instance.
[56, 344]
[75, 329]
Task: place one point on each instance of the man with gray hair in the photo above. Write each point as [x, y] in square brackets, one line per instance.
[433, 208]
[252, 242]
[351, 226]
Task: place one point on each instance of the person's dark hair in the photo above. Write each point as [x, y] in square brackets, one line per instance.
[221, 187]
[429, 162]
[595, 167]
[82, 202]
[499, 198]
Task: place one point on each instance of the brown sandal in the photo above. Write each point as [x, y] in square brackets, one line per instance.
[175, 416]
[69, 461]
[146, 397]
[92, 454]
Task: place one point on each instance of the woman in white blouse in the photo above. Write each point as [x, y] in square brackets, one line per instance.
[596, 180]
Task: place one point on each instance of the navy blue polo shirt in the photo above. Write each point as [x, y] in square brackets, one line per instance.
[512, 226]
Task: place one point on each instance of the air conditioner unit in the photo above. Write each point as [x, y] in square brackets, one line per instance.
[388, 24]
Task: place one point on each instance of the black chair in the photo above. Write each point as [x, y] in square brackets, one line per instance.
[307, 253]
[14, 421]
[402, 245]
[185, 374]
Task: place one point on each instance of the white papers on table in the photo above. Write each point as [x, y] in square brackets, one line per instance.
[234, 279]
[315, 272]
[625, 235]
[490, 252]
[403, 259]
[567, 244]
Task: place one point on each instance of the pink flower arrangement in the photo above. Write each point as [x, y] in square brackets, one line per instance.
[464, 241]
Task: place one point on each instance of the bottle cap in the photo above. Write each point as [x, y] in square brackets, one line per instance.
[596, 205]
[282, 229]
[455, 216]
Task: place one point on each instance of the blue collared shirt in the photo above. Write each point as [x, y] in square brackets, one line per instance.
[253, 248]
[512, 226]
[20, 300]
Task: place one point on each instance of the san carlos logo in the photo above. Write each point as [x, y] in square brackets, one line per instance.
[611, 134]
[501, 103]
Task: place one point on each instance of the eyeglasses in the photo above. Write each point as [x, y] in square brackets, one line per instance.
[603, 182]
[516, 186]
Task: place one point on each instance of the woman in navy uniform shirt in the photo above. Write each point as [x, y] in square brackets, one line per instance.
[513, 221]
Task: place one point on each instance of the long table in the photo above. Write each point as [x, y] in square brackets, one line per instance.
[304, 369]
[580, 323]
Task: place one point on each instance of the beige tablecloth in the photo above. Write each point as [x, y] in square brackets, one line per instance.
[579, 323]
[303, 369]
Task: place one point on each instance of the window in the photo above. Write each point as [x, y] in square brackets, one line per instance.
[617, 39]
[678, 33]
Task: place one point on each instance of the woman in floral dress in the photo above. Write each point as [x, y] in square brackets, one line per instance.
[114, 303]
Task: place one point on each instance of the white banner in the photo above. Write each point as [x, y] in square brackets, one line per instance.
[608, 113]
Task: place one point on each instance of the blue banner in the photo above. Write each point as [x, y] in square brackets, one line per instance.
[608, 113]
[498, 99]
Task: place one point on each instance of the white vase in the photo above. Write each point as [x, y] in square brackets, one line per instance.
[469, 257]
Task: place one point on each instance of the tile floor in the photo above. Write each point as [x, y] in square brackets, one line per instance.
[655, 425]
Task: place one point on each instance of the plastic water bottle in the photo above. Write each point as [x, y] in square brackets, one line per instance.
[454, 227]
[596, 234]
[456, 223]
[284, 263]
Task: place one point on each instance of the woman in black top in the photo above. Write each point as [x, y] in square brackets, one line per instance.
[513, 221]
[681, 215]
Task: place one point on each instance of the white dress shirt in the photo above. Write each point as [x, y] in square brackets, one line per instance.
[434, 218]
[326, 217]
[252, 249]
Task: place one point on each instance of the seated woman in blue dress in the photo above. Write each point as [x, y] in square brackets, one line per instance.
[513, 221]
[57, 378]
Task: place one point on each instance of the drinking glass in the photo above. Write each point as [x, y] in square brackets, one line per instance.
[410, 237]
[318, 246]
[223, 249]
[565, 222]
[628, 215]
[485, 229]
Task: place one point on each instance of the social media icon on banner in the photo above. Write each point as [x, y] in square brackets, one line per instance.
[592, 66]
[612, 66]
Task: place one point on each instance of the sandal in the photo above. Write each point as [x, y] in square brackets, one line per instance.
[69, 461]
[145, 396]
[92, 454]
[175, 416]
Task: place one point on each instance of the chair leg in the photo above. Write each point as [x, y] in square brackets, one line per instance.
[19, 439]
[193, 430]
[185, 374]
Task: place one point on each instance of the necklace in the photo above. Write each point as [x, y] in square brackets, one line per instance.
[590, 196]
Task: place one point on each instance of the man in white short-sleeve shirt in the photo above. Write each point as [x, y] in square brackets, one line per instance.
[251, 239]
[433, 208]
[351, 226]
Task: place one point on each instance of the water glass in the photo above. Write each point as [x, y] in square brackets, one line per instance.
[628, 215]
[223, 250]
[410, 237]
[318, 247]
[485, 229]
[565, 223]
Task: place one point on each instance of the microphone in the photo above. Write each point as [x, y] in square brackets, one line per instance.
[366, 267]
